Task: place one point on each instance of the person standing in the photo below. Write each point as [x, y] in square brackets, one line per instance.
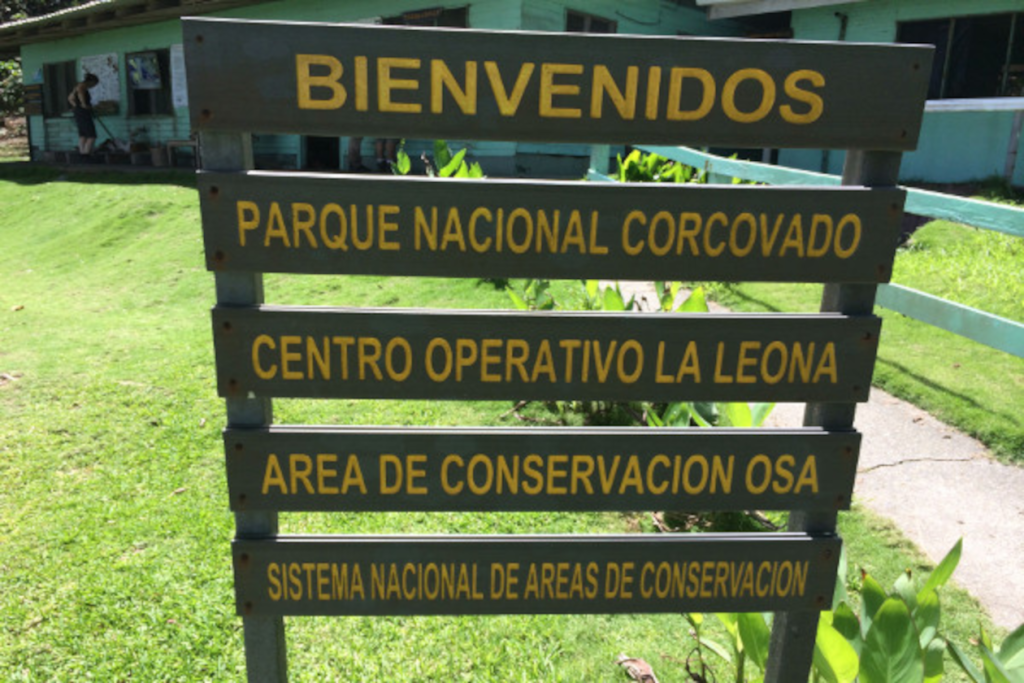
[385, 148]
[81, 104]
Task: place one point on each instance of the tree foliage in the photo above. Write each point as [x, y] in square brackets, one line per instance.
[12, 10]
[11, 88]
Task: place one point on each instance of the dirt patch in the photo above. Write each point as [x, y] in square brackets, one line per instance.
[13, 137]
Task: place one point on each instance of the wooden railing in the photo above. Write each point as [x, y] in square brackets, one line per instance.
[999, 333]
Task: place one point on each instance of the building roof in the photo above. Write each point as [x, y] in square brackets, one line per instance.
[100, 15]
[723, 9]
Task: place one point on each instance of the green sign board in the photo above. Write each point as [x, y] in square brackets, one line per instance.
[303, 223]
[578, 574]
[296, 352]
[249, 77]
[392, 468]
[318, 79]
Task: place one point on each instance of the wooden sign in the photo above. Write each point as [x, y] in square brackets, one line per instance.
[272, 351]
[307, 223]
[392, 468]
[317, 79]
[578, 574]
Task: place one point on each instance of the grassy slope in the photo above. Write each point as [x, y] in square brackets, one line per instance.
[114, 524]
[966, 384]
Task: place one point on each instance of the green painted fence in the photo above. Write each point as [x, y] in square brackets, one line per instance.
[980, 326]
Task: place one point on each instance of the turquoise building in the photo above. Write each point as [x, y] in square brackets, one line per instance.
[971, 127]
[973, 119]
[134, 46]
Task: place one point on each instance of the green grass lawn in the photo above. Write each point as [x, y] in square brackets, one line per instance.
[966, 384]
[114, 520]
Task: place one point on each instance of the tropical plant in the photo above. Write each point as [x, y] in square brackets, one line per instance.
[638, 167]
[895, 639]
[1005, 665]
[445, 164]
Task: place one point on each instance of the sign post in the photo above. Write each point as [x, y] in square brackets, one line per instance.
[332, 80]
[265, 653]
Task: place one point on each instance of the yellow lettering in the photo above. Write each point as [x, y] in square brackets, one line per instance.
[386, 83]
[273, 476]
[441, 78]
[306, 81]
[549, 89]
[767, 95]
[603, 83]
[675, 94]
[248, 219]
[508, 104]
[815, 105]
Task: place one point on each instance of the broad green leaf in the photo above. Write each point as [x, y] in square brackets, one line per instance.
[442, 154]
[696, 619]
[613, 300]
[677, 414]
[653, 420]
[517, 300]
[1011, 653]
[449, 169]
[904, 588]
[734, 414]
[593, 287]
[758, 414]
[839, 593]
[621, 176]
[402, 163]
[926, 616]
[476, 170]
[695, 303]
[933, 665]
[717, 648]
[892, 653]
[940, 575]
[845, 621]
[872, 598]
[835, 660]
[995, 672]
[755, 634]
[659, 289]
[730, 621]
[704, 413]
[964, 662]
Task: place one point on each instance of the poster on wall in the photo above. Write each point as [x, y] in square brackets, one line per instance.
[179, 86]
[106, 96]
[144, 71]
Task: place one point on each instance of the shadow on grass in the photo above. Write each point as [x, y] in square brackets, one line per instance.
[736, 293]
[931, 384]
[31, 173]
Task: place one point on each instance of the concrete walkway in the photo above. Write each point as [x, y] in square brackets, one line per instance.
[936, 485]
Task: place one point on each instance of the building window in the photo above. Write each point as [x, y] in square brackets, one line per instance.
[59, 79]
[578, 22]
[149, 83]
[979, 56]
[449, 18]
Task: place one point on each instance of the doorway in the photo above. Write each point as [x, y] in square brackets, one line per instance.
[323, 154]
